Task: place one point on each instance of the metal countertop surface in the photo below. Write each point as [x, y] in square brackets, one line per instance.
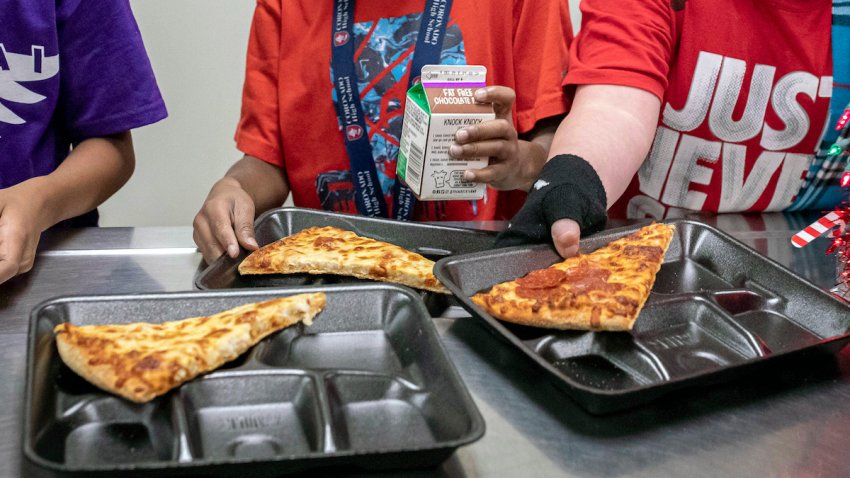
[789, 420]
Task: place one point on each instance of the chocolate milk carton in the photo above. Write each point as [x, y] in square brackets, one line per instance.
[437, 107]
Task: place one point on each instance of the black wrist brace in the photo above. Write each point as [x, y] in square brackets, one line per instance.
[567, 188]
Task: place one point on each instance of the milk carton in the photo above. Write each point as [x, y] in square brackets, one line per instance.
[436, 108]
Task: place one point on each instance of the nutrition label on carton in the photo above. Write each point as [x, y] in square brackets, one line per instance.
[443, 103]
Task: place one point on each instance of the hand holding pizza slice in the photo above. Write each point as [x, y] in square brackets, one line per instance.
[603, 290]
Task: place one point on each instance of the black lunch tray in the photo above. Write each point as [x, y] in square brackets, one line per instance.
[430, 240]
[368, 385]
[717, 308]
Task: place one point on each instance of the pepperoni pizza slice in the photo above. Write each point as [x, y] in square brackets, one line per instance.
[603, 290]
[330, 250]
[140, 361]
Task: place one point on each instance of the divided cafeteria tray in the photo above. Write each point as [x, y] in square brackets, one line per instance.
[429, 240]
[367, 386]
[717, 308]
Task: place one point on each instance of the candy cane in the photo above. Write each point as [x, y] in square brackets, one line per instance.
[817, 228]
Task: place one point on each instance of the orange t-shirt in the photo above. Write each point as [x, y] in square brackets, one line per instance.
[288, 104]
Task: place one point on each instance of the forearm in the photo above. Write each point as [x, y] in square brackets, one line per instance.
[94, 170]
[535, 146]
[265, 183]
[612, 128]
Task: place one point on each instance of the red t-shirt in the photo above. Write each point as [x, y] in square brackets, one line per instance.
[744, 87]
[288, 110]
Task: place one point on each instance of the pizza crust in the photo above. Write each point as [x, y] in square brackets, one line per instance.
[578, 318]
[330, 250]
[141, 361]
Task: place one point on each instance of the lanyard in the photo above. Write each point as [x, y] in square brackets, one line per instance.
[429, 44]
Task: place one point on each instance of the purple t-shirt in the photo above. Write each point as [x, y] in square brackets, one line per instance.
[69, 70]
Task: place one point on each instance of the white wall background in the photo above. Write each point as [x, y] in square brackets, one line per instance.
[197, 48]
[575, 14]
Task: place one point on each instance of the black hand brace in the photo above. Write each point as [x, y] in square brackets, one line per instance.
[567, 188]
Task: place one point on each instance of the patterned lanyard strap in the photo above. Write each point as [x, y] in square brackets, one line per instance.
[429, 44]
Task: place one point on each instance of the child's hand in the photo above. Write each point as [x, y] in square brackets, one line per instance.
[225, 221]
[513, 162]
[20, 231]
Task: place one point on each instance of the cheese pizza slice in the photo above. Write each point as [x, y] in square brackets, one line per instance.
[330, 250]
[140, 361]
[603, 290]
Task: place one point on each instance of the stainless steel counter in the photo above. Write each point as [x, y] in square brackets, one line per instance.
[788, 421]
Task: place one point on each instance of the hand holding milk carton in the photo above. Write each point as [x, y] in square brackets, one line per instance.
[436, 108]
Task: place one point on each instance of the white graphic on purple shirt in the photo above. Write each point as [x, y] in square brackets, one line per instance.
[16, 69]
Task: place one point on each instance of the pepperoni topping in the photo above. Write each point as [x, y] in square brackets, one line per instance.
[528, 293]
[546, 284]
[550, 294]
[587, 277]
[542, 279]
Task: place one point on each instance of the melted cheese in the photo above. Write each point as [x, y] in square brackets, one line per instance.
[141, 360]
[603, 290]
[330, 250]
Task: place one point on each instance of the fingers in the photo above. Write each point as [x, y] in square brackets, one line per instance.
[565, 236]
[243, 223]
[224, 222]
[494, 174]
[205, 241]
[11, 254]
[493, 139]
[225, 235]
[501, 97]
[495, 129]
[213, 230]
[492, 148]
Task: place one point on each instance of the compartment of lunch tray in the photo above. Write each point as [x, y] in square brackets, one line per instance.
[379, 336]
[606, 361]
[253, 416]
[117, 443]
[71, 387]
[774, 331]
[370, 351]
[98, 430]
[690, 336]
[687, 275]
[739, 301]
[598, 372]
[372, 411]
[74, 415]
[708, 270]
